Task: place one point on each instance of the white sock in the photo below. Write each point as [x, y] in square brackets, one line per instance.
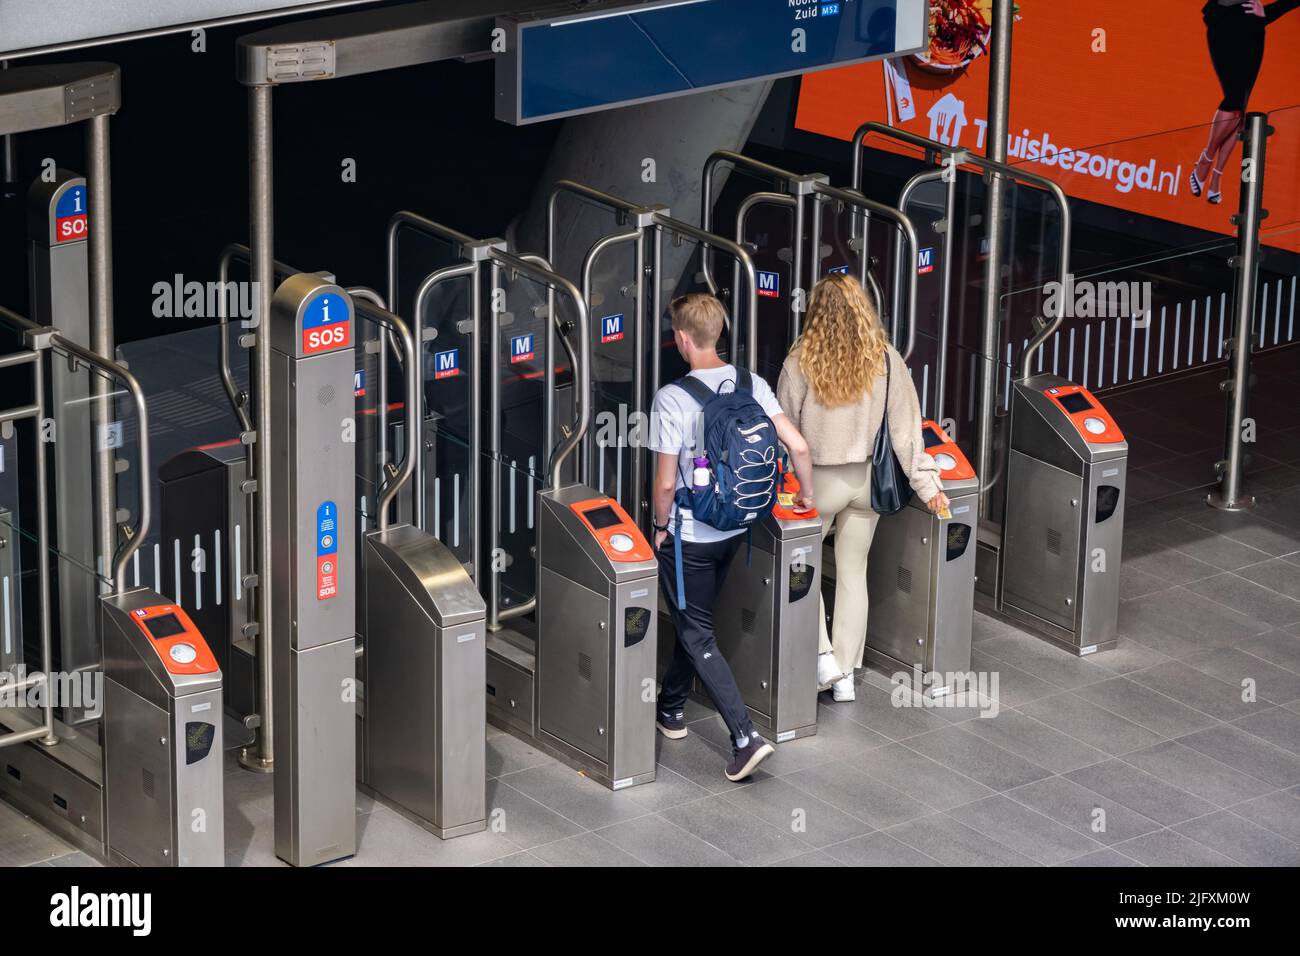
[743, 742]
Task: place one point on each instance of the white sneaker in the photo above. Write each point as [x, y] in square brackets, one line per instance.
[828, 672]
[843, 689]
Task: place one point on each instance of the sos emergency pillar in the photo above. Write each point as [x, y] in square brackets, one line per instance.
[312, 511]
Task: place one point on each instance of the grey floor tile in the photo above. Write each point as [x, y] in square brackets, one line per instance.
[921, 778]
[384, 838]
[526, 822]
[878, 849]
[1249, 598]
[577, 798]
[1279, 647]
[1276, 575]
[1250, 529]
[1278, 726]
[1167, 848]
[1035, 741]
[816, 858]
[25, 842]
[1139, 791]
[1247, 753]
[1193, 771]
[1127, 657]
[1014, 686]
[1278, 811]
[1085, 811]
[952, 843]
[1095, 726]
[781, 804]
[1135, 583]
[76, 859]
[668, 790]
[522, 858]
[859, 795]
[741, 835]
[1165, 564]
[1017, 826]
[245, 790]
[876, 710]
[1044, 661]
[657, 842]
[1243, 841]
[585, 849]
[960, 750]
[1146, 707]
[838, 738]
[1205, 545]
[698, 760]
[1106, 857]
[1198, 690]
[508, 754]
[1232, 666]
[1179, 622]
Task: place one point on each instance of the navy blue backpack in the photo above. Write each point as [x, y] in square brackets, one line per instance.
[742, 446]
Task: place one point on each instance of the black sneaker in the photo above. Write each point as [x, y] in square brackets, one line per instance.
[745, 760]
[672, 724]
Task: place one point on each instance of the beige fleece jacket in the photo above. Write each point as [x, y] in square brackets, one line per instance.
[847, 434]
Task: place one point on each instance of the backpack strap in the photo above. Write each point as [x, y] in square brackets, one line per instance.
[677, 561]
[744, 380]
[696, 389]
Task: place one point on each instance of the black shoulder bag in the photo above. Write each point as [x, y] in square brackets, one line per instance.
[890, 489]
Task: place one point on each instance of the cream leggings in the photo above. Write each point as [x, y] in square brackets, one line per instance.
[842, 494]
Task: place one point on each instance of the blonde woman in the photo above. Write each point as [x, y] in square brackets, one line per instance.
[832, 388]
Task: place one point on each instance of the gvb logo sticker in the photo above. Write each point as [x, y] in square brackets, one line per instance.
[446, 364]
[611, 328]
[70, 215]
[522, 348]
[326, 324]
[925, 261]
[359, 383]
[769, 285]
[842, 270]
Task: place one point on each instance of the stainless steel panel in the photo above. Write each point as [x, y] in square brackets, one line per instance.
[34, 780]
[953, 599]
[315, 818]
[199, 785]
[1100, 559]
[138, 782]
[899, 586]
[633, 682]
[1041, 540]
[425, 726]
[795, 709]
[510, 687]
[574, 664]
[745, 625]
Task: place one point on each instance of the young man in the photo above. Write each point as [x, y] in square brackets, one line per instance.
[707, 553]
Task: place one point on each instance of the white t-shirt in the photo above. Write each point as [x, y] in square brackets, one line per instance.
[675, 427]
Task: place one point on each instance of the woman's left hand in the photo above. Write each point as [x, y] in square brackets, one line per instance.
[1255, 7]
[938, 503]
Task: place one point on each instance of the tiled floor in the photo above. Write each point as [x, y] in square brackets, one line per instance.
[1179, 747]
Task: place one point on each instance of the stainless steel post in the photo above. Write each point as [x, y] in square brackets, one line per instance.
[747, 205]
[945, 292]
[261, 755]
[100, 249]
[991, 318]
[1231, 494]
[44, 550]
[797, 293]
[494, 445]
[656, 307]
[8, 152]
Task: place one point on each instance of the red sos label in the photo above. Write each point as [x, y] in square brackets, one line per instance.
[73, 227]
[326, 324]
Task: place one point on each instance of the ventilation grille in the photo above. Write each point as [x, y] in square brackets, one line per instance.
[904, 578]
[584, 666]
[326, 395]
[310, 61]
[146, 783]
[748, 619]
[1053, 541]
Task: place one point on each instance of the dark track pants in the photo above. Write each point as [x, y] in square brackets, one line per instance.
[704, 567]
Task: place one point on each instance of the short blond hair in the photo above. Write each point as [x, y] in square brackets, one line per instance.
[701, 316]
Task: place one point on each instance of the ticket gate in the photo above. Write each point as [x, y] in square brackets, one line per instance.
[766, 620]
[921, 578]
[162, 735]
[1060, 558]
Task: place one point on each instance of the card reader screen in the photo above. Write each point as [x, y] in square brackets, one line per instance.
[165, 625]
[932, 437]
[1075, 402]
[605, 517]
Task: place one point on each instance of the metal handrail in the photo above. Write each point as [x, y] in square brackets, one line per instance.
[392, 323]
[1046, 329]
[747, 205]
[122, 375]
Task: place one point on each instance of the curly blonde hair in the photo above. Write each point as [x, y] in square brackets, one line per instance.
[842, 347]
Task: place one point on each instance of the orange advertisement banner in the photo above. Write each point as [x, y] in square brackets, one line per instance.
[1115, 101]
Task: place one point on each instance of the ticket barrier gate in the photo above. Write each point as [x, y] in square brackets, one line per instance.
[1063, 530]
[765, 621]
[921, 578]
[572, 678]
[162, 735]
